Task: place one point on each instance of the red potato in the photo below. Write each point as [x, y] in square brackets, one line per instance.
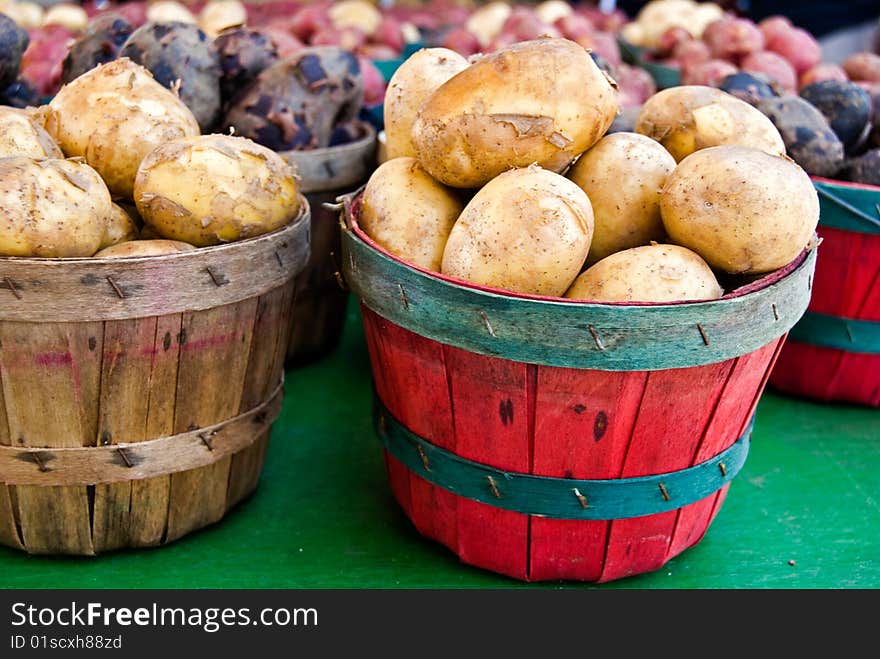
[347, 38]
[285, 43]
[709, 73]
[523, 24]
[310, 19]
[636, 86]
[574, 26]
[43, 59]
[691, 53]
[670, 40]
[389, 33]
[604, 44]
[824, 71]
[732, 38]
[773, 26]
[461, 41]
[374, 83]
[863, 66]
[774, 66]
[378, 51]
[797, 46]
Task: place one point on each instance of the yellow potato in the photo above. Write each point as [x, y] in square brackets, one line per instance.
[121, 227]
[168, 11]
[144, 248]
[687, 118]
[551, 11]
[650, 273]
[358, 14]
[543, 101]
[412, 82]
[68, 15]
[623, 175]
[219, 15]
[486, 21]
[114, 115]
[527, 230]
[743, 210]
[409, 213]
[212, 189]
[22, 136]
[52, 208]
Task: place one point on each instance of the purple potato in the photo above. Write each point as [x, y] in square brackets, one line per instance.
[244, 52]
[808, 138]
[749, 87]
[865, 168]
[846, 106]
[181, 54]
[99, 44]
[298, 102]
[14, 41]
[21, 94]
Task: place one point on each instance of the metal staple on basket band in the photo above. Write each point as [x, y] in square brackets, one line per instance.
[559, 498]
[847, 334]
[574, 335]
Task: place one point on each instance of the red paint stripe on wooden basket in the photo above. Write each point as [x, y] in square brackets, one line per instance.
[846, 284]
[551, 421]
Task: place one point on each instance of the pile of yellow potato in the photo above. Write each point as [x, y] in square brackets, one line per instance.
[115, 165]
[500, 171]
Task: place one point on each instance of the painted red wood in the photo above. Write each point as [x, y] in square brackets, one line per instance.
[667, 432]
[583, 424]
[845, 284]
[493, 404]
[728, 421]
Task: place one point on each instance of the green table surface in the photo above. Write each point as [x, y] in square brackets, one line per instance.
[803, 513]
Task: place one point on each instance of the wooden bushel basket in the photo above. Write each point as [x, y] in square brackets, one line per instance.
[137, 395]
[833, 353]
[550, 439]
[318, 316]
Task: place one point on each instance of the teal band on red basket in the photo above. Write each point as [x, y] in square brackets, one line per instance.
[574, 335]
[559, 498]
[848, 208]
[846, 334]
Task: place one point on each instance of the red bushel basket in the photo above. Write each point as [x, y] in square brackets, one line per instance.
[550, 439]
[833, 352]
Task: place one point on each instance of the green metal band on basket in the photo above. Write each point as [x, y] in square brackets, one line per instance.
[847, 334]
[559, 498]
[571, 334]
[848, 209]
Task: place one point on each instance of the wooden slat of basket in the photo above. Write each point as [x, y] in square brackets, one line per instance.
[729, 420]
[125, 396]
[51, 375]
[149, 497]
[491, 411]
[584, 421]
[213, 363]
[670, 423]
[9, 533]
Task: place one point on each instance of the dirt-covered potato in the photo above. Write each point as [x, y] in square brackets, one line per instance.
[808, 137]
[623, 174]
[22, 136]
[156, 247]
[52, 208]
[114, 115]
[412, 82]
[687, 118]
[14, 41]
[748, 87]
[865, 168]
[743, 210]
[296, 103]
[528, 230]
[650, 273]
[845, 105]
[99, 44]
[182, 57]
[244, 52]
[408, 212]
[212, 189]
[121, 227]
[543, 101]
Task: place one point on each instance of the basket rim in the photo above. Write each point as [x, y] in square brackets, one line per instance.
[764, 281]
[867, 187]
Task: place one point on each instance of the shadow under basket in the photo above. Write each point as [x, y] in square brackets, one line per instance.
[550, 439]
[318, 315]
[833, 352]
[137, 395]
